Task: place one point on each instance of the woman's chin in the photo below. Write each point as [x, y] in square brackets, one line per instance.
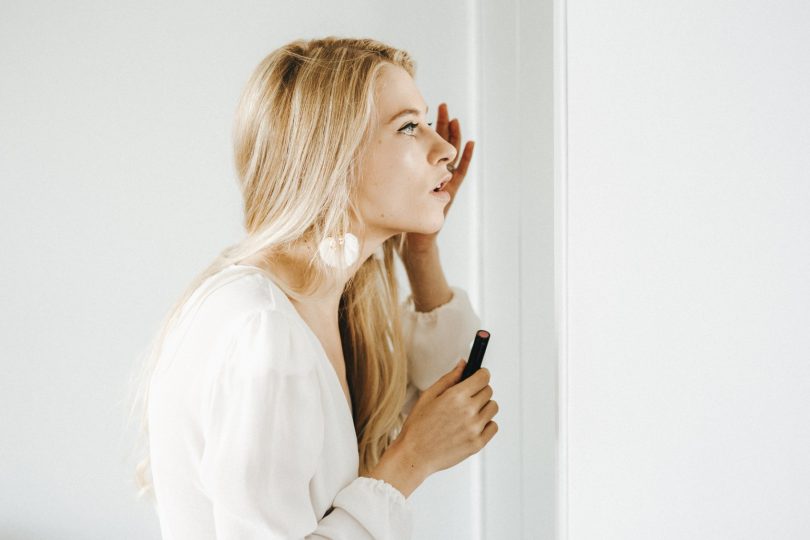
[436, 228]
[428, 225]
[432, 224]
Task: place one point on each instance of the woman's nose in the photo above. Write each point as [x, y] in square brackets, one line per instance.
[444, 150]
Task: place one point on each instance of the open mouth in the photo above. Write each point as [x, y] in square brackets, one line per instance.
[440, 194]
[441, 185]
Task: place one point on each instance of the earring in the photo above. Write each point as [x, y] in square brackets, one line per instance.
[329, 246]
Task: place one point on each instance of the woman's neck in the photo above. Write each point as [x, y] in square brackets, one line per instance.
[290, 269]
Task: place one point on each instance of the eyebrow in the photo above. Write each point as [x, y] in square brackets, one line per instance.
[404, 112]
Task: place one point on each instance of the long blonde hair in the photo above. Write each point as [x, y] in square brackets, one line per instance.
[302, 123]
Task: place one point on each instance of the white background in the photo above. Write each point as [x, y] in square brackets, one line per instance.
[685, 273]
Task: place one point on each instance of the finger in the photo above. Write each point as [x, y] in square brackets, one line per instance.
[442, 122]
[455, 138]
[489, 431]
[489, 411]
[482, 397]
[447, 380]
[460, 173]
[466, 157]
[475, 382]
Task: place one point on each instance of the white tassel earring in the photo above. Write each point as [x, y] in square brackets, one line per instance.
[329, 248]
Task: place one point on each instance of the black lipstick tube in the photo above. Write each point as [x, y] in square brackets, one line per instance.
[479, 347]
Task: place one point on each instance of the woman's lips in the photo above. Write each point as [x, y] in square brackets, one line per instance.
[443, 182]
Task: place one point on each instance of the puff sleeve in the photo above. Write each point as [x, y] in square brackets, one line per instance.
[435, 340]
[264, 434]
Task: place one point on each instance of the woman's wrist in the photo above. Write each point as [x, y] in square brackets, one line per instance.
[401, 468]
[429, 286]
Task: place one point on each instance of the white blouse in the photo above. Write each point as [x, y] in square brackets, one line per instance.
[250, 432]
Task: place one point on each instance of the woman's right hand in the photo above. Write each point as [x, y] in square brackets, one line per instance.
[451, 421]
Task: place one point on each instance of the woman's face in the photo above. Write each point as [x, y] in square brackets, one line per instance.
[404, 162]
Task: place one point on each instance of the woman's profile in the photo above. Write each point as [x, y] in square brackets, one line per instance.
[288, 392]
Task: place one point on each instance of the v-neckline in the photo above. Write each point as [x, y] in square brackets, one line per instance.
[313, 336]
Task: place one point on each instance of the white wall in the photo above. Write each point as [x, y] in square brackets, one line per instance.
[117, 188]
[685, 270]
[517, 267]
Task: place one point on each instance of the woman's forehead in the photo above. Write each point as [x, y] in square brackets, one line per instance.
[397, 94]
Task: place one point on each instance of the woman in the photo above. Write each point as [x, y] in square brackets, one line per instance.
[288, 393]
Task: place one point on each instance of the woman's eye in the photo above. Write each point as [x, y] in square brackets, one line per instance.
[409, 127]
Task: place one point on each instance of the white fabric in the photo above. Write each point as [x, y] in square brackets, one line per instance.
[251, 435]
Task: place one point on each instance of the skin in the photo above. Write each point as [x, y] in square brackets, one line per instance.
[398, 173]
[399, 170]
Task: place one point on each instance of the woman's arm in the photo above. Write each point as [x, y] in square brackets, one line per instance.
[428, 284]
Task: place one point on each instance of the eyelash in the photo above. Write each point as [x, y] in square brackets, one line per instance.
[408, 125]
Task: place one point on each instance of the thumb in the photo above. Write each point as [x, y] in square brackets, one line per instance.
[448, 379]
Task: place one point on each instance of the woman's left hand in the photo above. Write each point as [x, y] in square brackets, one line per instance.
[449, 130]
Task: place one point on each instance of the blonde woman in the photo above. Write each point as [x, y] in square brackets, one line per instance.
[288, 393]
